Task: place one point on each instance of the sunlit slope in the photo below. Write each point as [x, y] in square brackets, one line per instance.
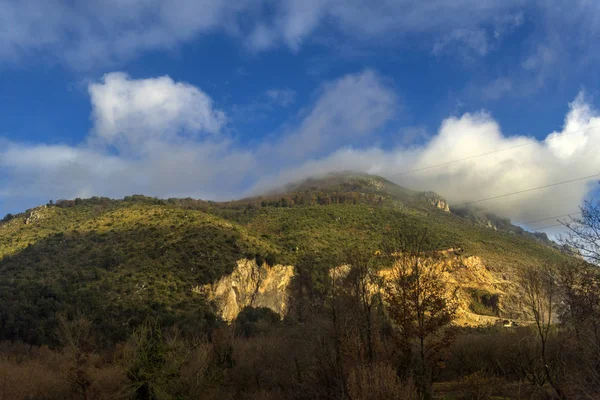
[119, 261]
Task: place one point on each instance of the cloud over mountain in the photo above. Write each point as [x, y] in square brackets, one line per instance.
[165, 138]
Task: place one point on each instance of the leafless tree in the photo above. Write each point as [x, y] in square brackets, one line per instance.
[580, 284]
[420, 304]
[364, 290]
[76, 336]
[583, 234]
[541, 297]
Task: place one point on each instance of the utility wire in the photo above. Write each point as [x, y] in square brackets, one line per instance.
[525, 191]
[532, 141]
[546, 227]
[549, 218]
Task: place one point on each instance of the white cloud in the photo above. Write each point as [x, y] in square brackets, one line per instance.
[96, 32]
[473, 40]
[147, 138]
[335, 133]
[497, 88]
[99, 31]
[542, 57]
[561, 156]
[282, 97]
[505, 24]
[135, 112]
[347, 110]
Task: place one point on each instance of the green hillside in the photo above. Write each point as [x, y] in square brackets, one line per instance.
[118, 261]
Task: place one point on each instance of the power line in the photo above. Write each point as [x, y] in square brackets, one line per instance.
[546, 219]
[525, 191]
[547, 227]
[532, 141]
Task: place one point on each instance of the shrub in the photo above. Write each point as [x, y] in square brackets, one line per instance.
[484, 302]
[252, 321]
[379, 382]
[479, 386]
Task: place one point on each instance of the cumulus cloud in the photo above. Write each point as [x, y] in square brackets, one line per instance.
[137, 112]
[561, 156]
[152, 136]
[334, 133]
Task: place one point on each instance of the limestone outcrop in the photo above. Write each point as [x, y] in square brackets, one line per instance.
[269, 286]
[436, 200]
[251, 285]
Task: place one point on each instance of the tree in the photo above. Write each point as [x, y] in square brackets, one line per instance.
[364, 290]
[420, 304]
[580, 284]
[8, 217]
[584, 232]
[154, 361]
[541, 297]
[335, 306]
[76, 336]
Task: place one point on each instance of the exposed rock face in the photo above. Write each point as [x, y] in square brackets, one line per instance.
[436, 200]
[265, 286]
[33, 215]
[252, 285]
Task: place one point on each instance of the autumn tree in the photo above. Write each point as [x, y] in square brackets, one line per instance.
[420, 304]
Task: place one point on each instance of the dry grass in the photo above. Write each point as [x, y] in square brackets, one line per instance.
[31, 379]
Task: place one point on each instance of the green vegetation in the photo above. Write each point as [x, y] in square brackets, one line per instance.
[484, 302]
[120, 261]
[109, 285]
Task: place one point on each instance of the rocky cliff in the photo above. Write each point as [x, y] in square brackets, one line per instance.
[252, 285]
[483, 296]
[436, 200]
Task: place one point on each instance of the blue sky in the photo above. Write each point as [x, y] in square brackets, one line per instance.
[213, 100]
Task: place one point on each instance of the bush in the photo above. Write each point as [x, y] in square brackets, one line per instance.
[479, 386]
[253, 321]
[379, 382]
[484, 302]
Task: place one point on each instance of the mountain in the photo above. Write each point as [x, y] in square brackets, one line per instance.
[192, 261]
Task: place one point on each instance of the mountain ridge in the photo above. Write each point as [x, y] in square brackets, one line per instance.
[119, 261]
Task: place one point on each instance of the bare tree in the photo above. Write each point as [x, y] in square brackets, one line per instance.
[541, 297]
[420, 304]
[580, 284]
[364, 290]
[335, 306]
[76, 336]
[584, 233]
